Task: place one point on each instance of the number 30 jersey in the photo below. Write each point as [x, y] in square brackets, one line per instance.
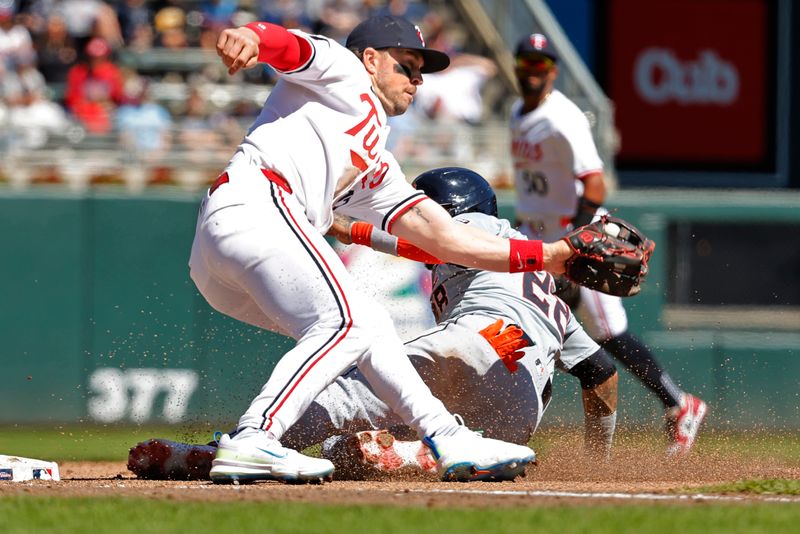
[524, 299]
[551, 147]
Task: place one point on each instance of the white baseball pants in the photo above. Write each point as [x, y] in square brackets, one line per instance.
[256, 258]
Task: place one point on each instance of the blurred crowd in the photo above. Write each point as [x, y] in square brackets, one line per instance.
[83, 68]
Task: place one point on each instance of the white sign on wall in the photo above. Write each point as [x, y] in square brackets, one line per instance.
[130, 394]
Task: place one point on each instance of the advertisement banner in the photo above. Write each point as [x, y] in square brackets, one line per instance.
[691, 81]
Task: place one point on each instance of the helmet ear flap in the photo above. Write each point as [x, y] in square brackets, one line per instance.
[458, 190]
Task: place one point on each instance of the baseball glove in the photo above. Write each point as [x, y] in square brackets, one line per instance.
[610, 255]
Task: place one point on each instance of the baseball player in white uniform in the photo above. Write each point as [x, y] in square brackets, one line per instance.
[558, 176]
[260, 256]
[490, 358]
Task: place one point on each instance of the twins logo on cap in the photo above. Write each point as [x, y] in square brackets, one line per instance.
[538, 41]
[537, 44]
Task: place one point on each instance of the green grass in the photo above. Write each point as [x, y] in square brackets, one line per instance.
[89, 442]
[111, 442]
[780, 446]
[760, 487]
[119, 515]
[776, 445]
[26, 513]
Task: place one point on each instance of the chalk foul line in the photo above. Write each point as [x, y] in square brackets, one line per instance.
[618, 495]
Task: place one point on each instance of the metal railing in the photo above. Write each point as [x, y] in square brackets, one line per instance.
[510, 20]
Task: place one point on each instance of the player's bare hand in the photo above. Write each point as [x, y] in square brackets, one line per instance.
[340, 229]
[238, 48]
[555, 254]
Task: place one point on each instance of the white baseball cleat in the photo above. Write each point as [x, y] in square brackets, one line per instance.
[375, 454]
[467, 456]
[251, 455]
[162, 459]
[683, 422]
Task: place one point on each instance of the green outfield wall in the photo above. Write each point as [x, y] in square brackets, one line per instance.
[100, 322]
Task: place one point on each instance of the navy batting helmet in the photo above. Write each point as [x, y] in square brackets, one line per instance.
[458, 190]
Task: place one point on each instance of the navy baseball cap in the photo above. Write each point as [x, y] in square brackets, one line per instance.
[536, 43]
[388, 31]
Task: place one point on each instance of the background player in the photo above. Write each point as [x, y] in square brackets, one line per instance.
[559, 182]
[490, 358]
[260, 256]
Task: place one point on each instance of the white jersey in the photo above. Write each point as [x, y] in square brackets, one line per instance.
[551, 147]
[259, 254]
[329, 103]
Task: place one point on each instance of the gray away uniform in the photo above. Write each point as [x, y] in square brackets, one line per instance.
[461, 368]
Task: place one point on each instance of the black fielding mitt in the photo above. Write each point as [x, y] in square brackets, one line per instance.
[610, 255]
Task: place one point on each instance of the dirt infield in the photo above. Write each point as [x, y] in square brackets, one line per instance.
[561, 476]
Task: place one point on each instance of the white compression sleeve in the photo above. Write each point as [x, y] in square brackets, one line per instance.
[599, 434]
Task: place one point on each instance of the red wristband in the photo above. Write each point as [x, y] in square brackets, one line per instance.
[525, 256]
[361, 233]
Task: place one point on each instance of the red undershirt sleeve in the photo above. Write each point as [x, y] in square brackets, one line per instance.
[279, 47]
[412, 252]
